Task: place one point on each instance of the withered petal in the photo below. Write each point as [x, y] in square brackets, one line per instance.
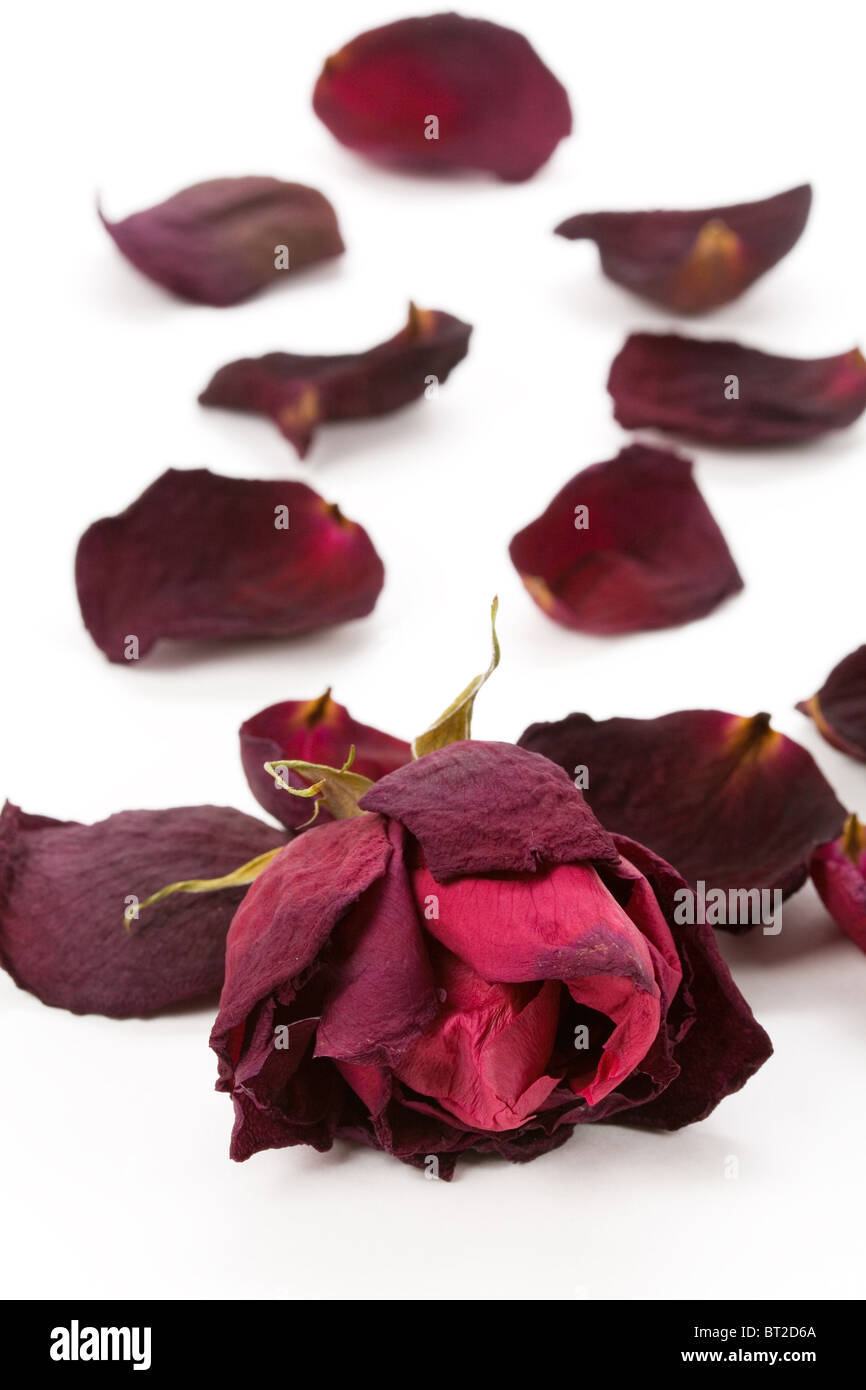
[839, 708]
[202, 556]
[300, 393]
[839, 874]
[646, 554]
[219, 242]
[313, 731]
[692, 261]
[443, 93]
[726, 800]
[64, 889]
[724, 393]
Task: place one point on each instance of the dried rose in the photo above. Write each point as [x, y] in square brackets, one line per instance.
[691, 261]
[201, 556]
[299, 393]
[444, 93]
[311, 731]
[724, 393]
[625, 546]
[65, 889]
[729, 800]
[221, 241]
[839, 874]
[839, 708]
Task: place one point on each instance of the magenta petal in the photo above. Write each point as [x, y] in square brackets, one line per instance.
[839, 874]
[839, 708]
[627, 545]
[221, 241]
[201, 556]
[64, 889]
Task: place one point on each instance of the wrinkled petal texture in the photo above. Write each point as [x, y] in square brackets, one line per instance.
[299, 393]
[64, 889]
[646, 552]
[724, 393]
[839, 708]
[693, 261]
[200, 556]
[221, 241]
[312, 731]
[839, 874]
[728, 800]
[495, 105]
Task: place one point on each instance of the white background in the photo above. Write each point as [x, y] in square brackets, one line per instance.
[113, 1160]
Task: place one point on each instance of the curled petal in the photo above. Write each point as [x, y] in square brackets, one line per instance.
[313, 731]
[627, 545]
[65, 889]
[444, 93]
[839, 874]
[691, 261]
[201, 556]
[729, 801]
[724, 393]
[219, 242]
[300, 393]
[839, 708]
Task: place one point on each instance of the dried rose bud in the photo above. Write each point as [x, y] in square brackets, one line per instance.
[66, 888]
[221, 241]
[627, 545]
[299, 393]
[444, 93]
[723, 393]
[200, 556]
[839, 708]
[311, 731]
[691, 261]
[728, 800]
[839, 874]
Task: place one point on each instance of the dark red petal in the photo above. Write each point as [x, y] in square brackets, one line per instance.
[221, 241]
[311, 731]
[299, 393]
[724, 393]
[201, 556]
[495, 105]
[649, 554]
[724, 799]
[839, 874]
[480, 808]
[64, 889]
[839, 708]
[691, 261]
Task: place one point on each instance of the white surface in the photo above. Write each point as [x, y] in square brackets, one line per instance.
[113, 1160]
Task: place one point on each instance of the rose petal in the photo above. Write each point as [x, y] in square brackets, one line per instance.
[724, 393]
[691, 261]
[648, 553]
[299, 393]
[444, 93]
[839, 708]
[481, 807]
[312, 731]
[200, 556]
[839, 874]
[64, 889]
[219, 242]
[727, 800]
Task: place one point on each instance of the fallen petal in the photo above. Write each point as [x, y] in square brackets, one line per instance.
[839, 708]
[444, 93]
[65, 887]
[839, 874]
[691, 261]
[626, 546]
[299, 393]
[201, 556]
[724, 393]
[219, 242]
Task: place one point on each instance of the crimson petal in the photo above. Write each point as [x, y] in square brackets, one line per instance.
[691, 261]
[839, 708]
[299, 393]
[647, 555]
[201, 556]
[839, 874]
[219, 242]
[724, 393]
